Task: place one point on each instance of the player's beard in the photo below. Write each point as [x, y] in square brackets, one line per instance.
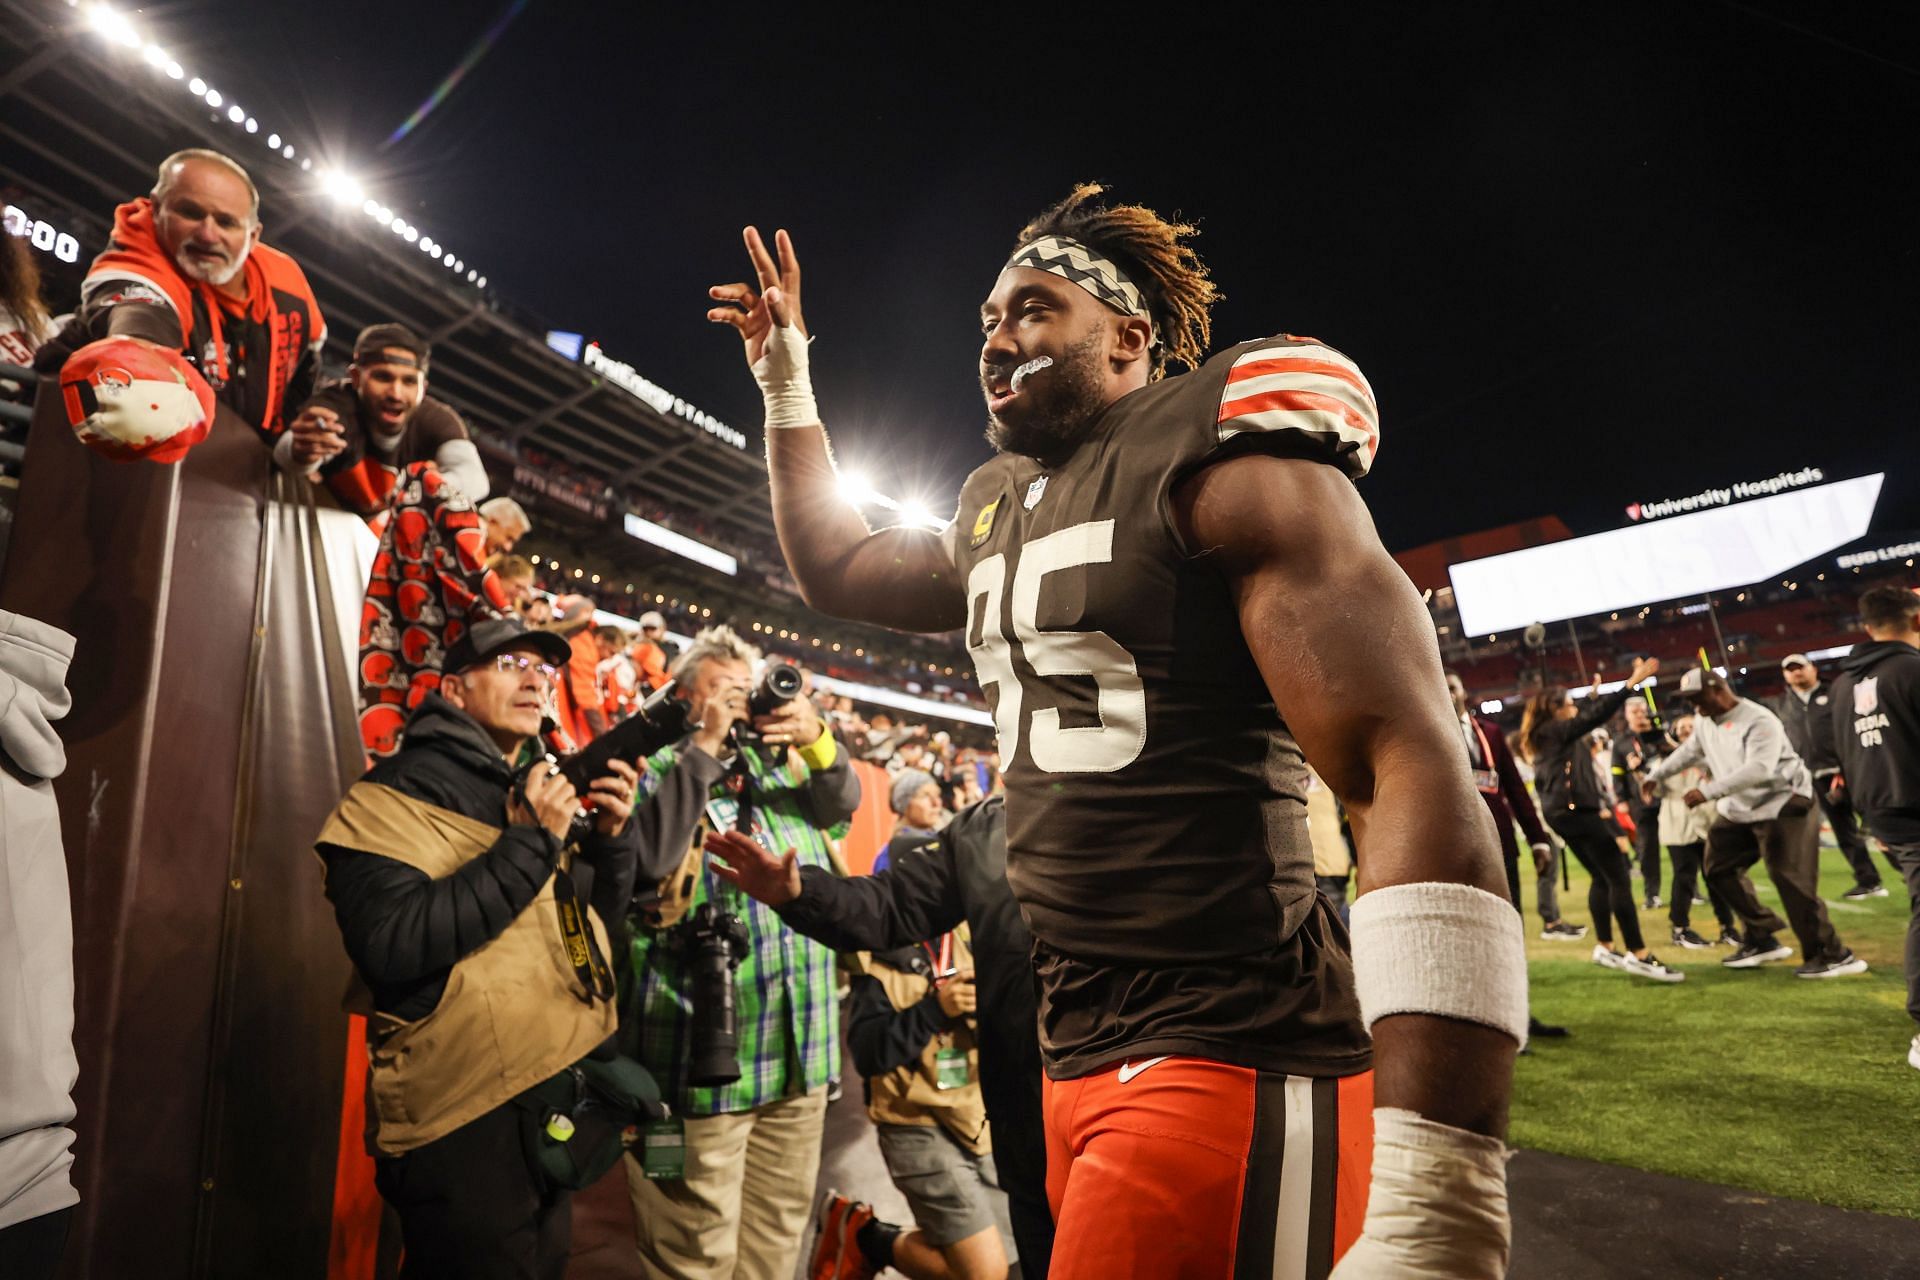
[1056, 407]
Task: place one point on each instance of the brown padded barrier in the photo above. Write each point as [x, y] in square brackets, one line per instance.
[211, 733]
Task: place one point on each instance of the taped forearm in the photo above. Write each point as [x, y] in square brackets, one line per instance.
[1437, 1206]
[786, 380]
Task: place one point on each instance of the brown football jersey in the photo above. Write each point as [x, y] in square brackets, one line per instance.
[1156, 803]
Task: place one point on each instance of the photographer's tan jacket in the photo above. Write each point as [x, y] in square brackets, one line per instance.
[513, 1013]
[911, 1094]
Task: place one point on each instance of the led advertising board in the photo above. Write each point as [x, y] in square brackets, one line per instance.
[1682, 555]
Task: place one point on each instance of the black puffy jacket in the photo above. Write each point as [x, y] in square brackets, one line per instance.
[1563, 776]
[405, 931]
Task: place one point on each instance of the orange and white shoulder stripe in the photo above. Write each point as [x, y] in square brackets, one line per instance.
[1300, 385]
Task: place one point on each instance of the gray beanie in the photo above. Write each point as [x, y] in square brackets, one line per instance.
[905, 786]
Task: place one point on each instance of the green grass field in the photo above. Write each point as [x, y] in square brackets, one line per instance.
[1753, 1078]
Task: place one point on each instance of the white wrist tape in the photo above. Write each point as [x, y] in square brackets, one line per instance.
[1440, 948]
[1437, 1206]
[786, 385]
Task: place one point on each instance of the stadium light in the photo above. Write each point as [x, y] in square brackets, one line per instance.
[155, 55]
[213, 98]
[197, 87]
[175, 70]
[235, 114]
[342, 188]
[273, 142]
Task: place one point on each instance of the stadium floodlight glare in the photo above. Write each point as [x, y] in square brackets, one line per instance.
[155, 55]
[342, 188]
[287, 151]
[915, 513]
[235, 114]
[197, 87]
[855, 489]
[175, 71]
[252, 126]
[273, 142]
[680, 544]
[1718, 549]
[306, 164]
[113, 25]
[213, 98]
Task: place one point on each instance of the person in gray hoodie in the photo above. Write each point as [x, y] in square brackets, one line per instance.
[1764, 792]
[37, 1063]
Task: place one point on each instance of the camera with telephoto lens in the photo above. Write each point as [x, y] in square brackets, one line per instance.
[662, 720]
[778, 685]
[714, 942]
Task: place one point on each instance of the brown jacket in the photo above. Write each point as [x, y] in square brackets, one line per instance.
[910, 1093]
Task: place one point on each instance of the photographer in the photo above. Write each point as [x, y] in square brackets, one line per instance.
[752, 1147]
[458, 895]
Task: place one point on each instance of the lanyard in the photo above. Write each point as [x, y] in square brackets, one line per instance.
[942, 957]
[583, 951]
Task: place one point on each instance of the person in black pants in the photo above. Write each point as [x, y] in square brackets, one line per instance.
[1553, 734]
[928, 888]
[1806, 711]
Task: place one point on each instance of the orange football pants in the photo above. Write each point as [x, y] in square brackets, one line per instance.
[1187, 1169]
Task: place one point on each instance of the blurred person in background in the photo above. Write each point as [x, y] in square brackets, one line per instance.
[24, 322]
[185, 270]
[653, 652]
[918, 811]
[1806, 711]
[1554, 734]
[358, 433]
[1765, 797]
[577, 695]
[505, 521]
[1496, 775]
[537, 612]
[1876, 735]
[911, 1028]
[1634, 751]
[516, 577]
[616, 676]
[1683, 829]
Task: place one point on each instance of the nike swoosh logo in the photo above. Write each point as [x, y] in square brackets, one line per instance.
[1129, 1070]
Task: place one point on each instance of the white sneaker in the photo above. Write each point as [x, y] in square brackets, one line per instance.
[1913, 1054]
[1607, 958]
[1650, 968]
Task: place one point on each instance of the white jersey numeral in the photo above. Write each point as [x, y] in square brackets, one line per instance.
[1118, 739]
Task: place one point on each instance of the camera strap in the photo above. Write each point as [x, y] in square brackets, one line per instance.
[583, 950]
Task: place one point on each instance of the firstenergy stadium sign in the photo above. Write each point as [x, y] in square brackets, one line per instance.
[628, 379]
[1709, 498]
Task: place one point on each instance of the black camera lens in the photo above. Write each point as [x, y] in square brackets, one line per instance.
[714, 942]
[778, 685]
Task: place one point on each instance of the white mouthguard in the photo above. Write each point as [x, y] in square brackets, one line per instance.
[1030, 367]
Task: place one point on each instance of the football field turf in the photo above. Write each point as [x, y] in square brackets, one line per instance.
[1753, 1078]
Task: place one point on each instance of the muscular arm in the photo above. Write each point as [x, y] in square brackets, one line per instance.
[1349, 656]
[900, 578]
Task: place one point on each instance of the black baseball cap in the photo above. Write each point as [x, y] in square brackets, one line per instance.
[376, 338]
[492, 636]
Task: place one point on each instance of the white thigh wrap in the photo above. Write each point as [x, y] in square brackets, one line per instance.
[786, 384]
[1446, 949]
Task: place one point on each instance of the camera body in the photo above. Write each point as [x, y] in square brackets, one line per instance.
[660, 721]
[713, 941]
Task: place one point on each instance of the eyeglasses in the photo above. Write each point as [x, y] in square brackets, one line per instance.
[520, 664]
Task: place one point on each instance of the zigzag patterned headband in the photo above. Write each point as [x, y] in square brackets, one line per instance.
[1071, 260]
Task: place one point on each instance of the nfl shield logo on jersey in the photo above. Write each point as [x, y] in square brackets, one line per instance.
[1866, 696]
[1034, 491]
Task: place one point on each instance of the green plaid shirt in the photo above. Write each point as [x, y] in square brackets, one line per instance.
[785, 990]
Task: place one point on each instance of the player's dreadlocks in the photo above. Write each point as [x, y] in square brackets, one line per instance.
[1153, 253]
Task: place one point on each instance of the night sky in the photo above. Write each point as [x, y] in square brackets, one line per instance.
[1585, 258]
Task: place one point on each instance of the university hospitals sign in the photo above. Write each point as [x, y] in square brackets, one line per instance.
[1709, 498]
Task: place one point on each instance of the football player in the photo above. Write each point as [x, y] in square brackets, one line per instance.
[1171, 591]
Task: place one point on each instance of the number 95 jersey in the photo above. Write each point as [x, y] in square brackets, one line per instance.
[1156, 803]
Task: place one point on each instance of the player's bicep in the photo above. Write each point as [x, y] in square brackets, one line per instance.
[904, 579]
[1345, 646]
